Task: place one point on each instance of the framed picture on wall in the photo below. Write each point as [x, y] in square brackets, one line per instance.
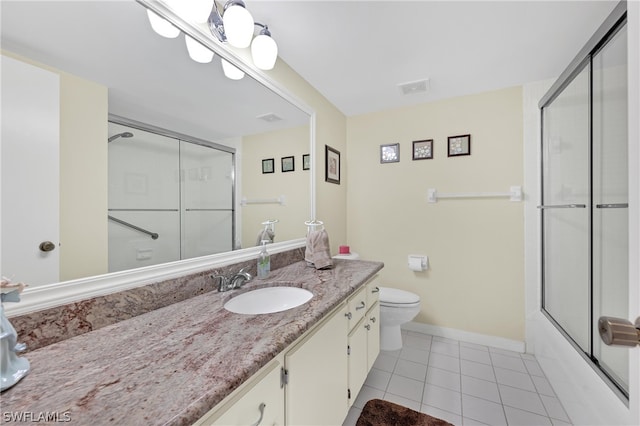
[458, 145]
[306, 162]
[390, 153]
[423, 150]
[331, 165]
[267, 165]
[288, 164]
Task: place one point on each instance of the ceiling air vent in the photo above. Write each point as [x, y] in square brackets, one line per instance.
[419, 86]
[269, 118]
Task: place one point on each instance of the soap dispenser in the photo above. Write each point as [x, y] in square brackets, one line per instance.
[264, 261]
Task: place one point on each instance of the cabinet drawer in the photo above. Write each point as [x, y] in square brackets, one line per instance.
[357, 307]
[373, 291]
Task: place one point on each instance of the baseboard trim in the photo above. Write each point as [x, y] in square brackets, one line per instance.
[467, 336]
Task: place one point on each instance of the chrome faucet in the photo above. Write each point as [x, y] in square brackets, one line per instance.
[234, 281]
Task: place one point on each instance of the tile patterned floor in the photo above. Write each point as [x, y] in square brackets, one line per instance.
[463, 383]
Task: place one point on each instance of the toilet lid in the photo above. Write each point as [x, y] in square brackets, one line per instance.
[394, 295]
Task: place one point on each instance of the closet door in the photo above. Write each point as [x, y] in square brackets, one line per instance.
[565, 216]
[610, 200]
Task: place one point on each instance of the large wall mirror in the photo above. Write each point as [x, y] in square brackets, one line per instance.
[118, 77]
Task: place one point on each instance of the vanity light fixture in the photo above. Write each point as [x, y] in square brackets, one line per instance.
[264, 49]
[231, 71]
[162, 26]
[238, 24]
[234, 26]
[197, 51]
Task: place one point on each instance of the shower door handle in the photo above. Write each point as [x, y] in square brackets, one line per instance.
[613, 206]
[619, 331]
[563, 206]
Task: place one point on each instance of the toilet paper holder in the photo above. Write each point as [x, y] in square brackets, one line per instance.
[418, 262]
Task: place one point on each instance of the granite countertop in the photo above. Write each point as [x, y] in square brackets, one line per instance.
[172, 365]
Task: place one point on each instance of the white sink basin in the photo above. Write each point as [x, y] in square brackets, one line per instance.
[268, 300]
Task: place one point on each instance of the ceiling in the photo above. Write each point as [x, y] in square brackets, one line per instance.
[150, 79]
[353, 52]
[357, 52]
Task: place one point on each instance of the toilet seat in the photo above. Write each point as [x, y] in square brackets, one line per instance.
[396, 298]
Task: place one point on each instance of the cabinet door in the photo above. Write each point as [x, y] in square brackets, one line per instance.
[246, 410]
[316, 393]
[358, 366]
[373, 335]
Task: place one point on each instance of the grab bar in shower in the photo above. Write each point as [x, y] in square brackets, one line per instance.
[613, 206]
[137, 228]
[564, 206]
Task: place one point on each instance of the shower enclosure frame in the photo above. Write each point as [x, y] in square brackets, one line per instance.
[615, 22]
[116, 119]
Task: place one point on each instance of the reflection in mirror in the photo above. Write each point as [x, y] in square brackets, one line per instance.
[99, 59]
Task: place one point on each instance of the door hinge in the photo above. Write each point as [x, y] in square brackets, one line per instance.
[348, 350]
[284, 377]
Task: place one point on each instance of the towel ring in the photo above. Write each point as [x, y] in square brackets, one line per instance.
[312, 225]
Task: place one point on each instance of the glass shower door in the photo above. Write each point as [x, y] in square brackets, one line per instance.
[610, 200]
[565, 216]
[207, 200]
[143, 198]
[585, 234]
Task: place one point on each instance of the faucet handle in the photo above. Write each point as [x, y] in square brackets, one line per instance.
[223, 284]
[245, 273]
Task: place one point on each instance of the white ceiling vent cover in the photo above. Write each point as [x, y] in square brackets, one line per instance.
[270, 118]
[411, 87]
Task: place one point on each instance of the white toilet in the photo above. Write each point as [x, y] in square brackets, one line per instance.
[397, 307]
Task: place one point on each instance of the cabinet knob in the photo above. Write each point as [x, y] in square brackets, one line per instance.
[368, 327]
[361, 306]
[348, 315]
[372, 319]
[375, 290]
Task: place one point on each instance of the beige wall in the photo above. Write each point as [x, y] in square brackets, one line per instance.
[83, 178]
[293, 185]
[475, 281]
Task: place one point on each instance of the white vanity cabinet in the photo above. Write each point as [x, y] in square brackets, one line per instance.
[364, 336]
[373, 319]
[316, 379]
[316, 390]
[259, 401]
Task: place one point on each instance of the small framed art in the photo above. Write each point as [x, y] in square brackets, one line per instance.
[331, 165]
[458, 145]
[288, 164]
[423, 150]
[390, 153]
[306, 162]
[267, 165]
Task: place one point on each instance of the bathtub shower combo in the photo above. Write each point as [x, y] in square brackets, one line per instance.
[584, 205]
[171, 197]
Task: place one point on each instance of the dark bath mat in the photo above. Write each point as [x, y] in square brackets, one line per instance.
[377, 412]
